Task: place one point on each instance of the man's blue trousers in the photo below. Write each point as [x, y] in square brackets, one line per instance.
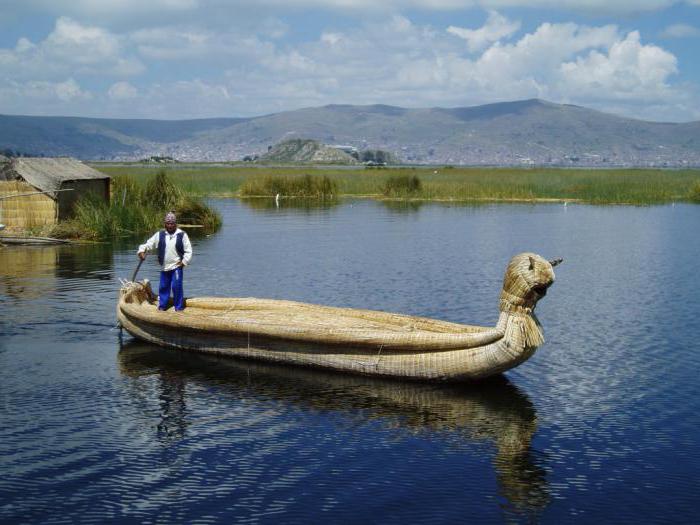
[168, 280]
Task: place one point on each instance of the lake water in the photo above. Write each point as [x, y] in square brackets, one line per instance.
[600, 425]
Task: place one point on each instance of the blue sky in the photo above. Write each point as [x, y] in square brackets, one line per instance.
[175, 59]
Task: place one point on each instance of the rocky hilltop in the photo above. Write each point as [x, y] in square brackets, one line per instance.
[521, 133]
[306, 151]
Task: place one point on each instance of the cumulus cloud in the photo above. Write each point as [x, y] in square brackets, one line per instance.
[40, 97]
[65, 91]
[680, 31]
[405, 64]
[70, 48]
[629, 70]
[122, 91]
[497, 27]
[207, 71]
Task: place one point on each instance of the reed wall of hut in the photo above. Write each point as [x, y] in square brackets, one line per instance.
[25, 212]
[53, 176]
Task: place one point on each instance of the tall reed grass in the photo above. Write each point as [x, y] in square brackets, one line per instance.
[598, 186]
[306, 186]
[135, 209]
[694, 193]
[402, 185]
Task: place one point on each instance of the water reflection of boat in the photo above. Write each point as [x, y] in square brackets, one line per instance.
[495, 412]
[350, 340]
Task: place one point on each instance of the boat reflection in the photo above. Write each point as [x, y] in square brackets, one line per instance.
[493, 411]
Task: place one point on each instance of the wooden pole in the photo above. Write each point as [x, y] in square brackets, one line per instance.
[32, 193]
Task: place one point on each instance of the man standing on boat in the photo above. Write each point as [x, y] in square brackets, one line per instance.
[174, 253]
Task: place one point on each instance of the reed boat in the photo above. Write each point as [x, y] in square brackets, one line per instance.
[346, 339]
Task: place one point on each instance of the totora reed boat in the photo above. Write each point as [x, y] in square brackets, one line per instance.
[350, 340]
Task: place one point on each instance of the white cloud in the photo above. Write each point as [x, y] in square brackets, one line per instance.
[405, 64]
[392, 60]
[174, 43]
[42, 97]
[680, 31]
[74, 42]
[183, 99]
[67, 90]
[629, 71]
[70, 48]
[122, 91]
[497, 27]
[331, 38]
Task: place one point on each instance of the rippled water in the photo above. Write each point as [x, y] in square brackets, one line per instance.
[600, 425]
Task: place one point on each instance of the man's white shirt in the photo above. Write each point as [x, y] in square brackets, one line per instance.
[171, 259]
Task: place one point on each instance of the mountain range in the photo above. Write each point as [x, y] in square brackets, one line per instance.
[526, 132]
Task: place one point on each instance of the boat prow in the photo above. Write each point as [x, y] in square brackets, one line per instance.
[347, 339]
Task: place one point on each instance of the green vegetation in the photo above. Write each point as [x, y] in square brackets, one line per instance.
[605, 186]
[402, 185]
[694, 195]
[135, 209]
[308, 186]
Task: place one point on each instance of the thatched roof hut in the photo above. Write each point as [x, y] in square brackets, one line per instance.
[28, 174]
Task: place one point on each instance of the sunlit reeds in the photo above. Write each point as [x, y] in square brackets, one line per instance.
[599, 186]
[25, 211]
[136, 209]
[306, 186]
[402, 185]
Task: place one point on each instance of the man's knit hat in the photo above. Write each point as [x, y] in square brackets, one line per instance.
[170, 217]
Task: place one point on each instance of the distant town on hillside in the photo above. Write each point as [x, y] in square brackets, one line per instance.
[521, 133]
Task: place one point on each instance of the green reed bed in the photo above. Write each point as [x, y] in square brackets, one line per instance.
[305, 186]
[599, 186]
[402, 185]
[136, 208]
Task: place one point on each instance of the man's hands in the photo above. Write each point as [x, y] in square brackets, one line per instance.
[142, 255]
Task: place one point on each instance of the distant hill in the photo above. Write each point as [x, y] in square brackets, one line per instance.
[306, 151]
[527, 132]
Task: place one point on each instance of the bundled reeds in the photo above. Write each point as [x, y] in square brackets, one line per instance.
[21, 211]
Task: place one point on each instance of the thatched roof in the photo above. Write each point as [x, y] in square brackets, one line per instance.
[47, 174]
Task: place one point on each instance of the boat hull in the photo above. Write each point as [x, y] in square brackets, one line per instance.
[485, 352]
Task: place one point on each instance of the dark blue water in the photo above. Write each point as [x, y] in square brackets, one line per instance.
[601, 425]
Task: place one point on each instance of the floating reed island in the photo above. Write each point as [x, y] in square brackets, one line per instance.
[350, 340]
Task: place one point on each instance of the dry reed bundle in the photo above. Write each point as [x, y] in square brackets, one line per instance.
[363, 341]
[26, 211]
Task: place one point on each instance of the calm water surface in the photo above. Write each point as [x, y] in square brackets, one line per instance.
[601, 425]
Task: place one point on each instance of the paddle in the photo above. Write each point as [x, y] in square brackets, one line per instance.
[133, 277]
